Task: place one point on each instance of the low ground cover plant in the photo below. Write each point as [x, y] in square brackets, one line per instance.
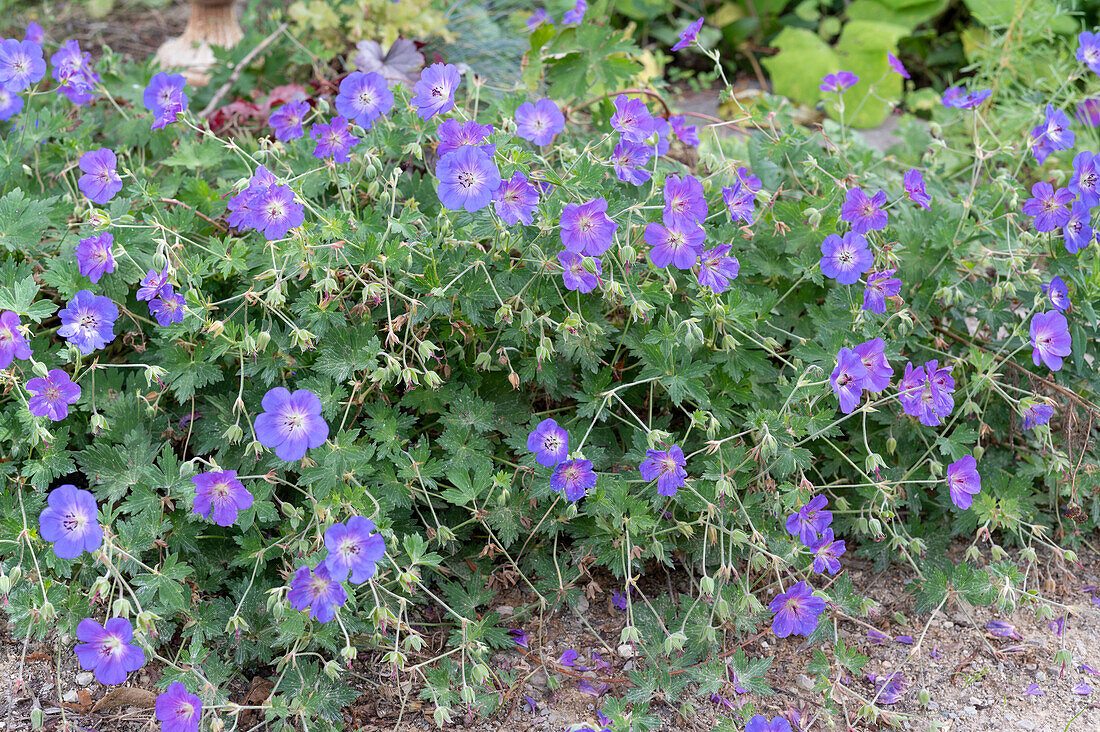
[275, 401]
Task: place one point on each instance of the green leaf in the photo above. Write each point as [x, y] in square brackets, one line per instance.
[24, 221]
[802, 60]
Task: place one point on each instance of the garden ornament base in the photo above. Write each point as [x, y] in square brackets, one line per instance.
[212, 23]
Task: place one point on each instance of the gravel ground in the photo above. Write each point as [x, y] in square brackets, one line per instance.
[976, 680]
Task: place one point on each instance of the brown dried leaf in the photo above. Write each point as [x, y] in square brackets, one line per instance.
[127, 696]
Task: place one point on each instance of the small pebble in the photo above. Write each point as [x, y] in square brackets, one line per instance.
[84, 678]
[625, 651]
[71, 697]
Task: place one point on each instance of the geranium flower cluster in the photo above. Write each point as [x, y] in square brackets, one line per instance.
[926, 392]
[266, 206]
[863, 368]
[811, 525]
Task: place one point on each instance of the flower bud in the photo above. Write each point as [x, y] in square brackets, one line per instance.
[40, 369]
[99, 423]
[442, 716]
[121, 607]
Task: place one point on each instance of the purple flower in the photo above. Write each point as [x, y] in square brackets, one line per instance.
[1034, 690]
[827, 552]
[576, 15]
[810, 521]
[364, 97]
[569, 658]
[619, 599]
[177, 710]
[863, 213]
[879, 372]
[516, 200]
[760, 723]
[468, 178]
[435, 92]
[334, 140]
[454, 134]
[575, 276]
[847, 379]
[100, 182]
[316, 591]
[897, 66]
[913, 182]
[168, 309]
[275, 212]
[1050, 339]
[684, 132]
[629, 159]
[1049, 207]
[220, 496]
[287, 120]
[12, 343]
[354, 548]
[165, 98]
[1058, 626]
[1088, 112]
[880, 285]
[549, 442]
[1002, 629]
[680, 243]
[73, 72]
[52, 395]
[1077, 233]
[632, 119]
[1052, 135]
[838, 82]
[717, 268]
[586, 228]
[845, 259]
[667, 468]
[684, 200]
[904, 640]
[687, 35]
[537, 18]
[585, 686]
[21, 64]
[888, 689]
[539, 122]
[154, 284]
[1086, 179]
[1057, 293]
[94, 257]
[876, 636]
[34, 33]
[1088, 50]
[575, 477]
[958, 97]
[106, 649]
[1037, 414]
[88, 321]
[1085, 668]
[931, 399]
[519, 637]
[963, 481]
[1082, 689]
[10, 104]
[291, 423]
[69, 522]
[796, 611]
[740, 201]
